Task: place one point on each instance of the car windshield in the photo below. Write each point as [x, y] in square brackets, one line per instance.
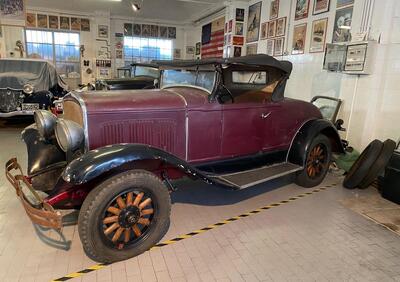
[145, 71]
[187, 77]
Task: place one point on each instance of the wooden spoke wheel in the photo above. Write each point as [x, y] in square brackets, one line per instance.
[316, 161]
[127, 218]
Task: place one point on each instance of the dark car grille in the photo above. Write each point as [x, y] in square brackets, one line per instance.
[10, 99]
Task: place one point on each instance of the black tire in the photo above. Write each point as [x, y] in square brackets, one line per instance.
[306, 177]
[362, 165]
[379, 165]
[97, 245]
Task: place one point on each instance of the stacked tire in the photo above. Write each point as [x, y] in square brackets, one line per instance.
[369, 164]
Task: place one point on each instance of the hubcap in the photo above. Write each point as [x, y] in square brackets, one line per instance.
[129, 216]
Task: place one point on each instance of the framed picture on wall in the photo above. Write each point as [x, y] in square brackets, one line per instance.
[128, 29]
[238, 40]
[42, 21]
[299, 39]
[251, 49]
[239, 29]
[253, 22]
[344, 3]
[263, 30]
[53, 22]
[271, 29]
[198, 48]
[102, 31]
[76, 24]
[64, 23]
[30, 20]
[154, 30]
[239, 15]
[190, 50]
[342, 25]
[146, 30]
[85, 25]
[177, 53]
[237, 51]
[321, 6]
[230, 26]
[281, 26]
[172, 32]
[278, 46]
[137, 29]
[318, 35]
[301, 11]
[14, 9]
[274, 9]
[163, 32]
[270, 47]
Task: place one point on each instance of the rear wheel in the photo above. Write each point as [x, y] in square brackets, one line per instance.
[317, 162]
[124, 216]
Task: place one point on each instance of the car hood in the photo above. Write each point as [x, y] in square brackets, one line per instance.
[142, 100]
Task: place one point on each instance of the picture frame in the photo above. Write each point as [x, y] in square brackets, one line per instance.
[281, 26]
[239, 15]
[270, 47]
[238, 40]
[230, 26]
[279, 46]
[344, 3]
[30, 20]
[154, 31]
[264, 30]
[14, 10]
[171, 32]
[271, 31]
[343, 18]
[146, 30]
[274, 9]
[128, 29]
[64, 23]
[239, 29]
[321, 6]
[190, 50]
[318, 35]
[177, 53]
[198, 48]
[253, 22]
[102, 31]
[85, 24]
[163, 32]
[42, 21]
[251, 49]
[237, 51]
[137, 29]
[301, 9]
[76, 24]
[53, 22]
[299, 38]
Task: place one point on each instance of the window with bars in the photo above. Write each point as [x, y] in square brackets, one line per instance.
[60, 48]
[144, 50]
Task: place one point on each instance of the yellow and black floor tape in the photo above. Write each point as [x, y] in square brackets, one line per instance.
[202, 230]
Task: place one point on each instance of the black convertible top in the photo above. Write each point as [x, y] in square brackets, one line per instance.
[258, 60]
[150, 65]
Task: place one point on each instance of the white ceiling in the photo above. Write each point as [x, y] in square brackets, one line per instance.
[179, 11]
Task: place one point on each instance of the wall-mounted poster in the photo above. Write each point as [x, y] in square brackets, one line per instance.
[128, 29]
[281, 26]
[237, 51]
[30, 20]
[163, 32]
[344, 3]
[238, 40]
[42, 21]
[321, 6]
[239, 29]
[190, 50]
[64, 23]
[85, 24]
[274, 9]
[76, 24]
[13, 9]
[230, 26]
[263, 31]
[177, 53]
[137, 29]
[172, 32]
[251, 49]
[198, 48]
[318, 34]
[102, 31]
[253, 22]
[271, 29]
[299, 38]
[154, 30]
[239, 15]
[146, 30]
[270, 47]
[53, 22]
[301, 9]
[279, 44]
[341, 30]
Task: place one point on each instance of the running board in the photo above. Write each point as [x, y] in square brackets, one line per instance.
[248, 178]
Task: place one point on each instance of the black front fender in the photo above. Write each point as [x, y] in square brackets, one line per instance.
[96, 162]
[309, 130]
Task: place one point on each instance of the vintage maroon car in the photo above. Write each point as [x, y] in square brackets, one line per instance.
[114, 155]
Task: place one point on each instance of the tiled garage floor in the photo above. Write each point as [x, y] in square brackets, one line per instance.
[311, 239]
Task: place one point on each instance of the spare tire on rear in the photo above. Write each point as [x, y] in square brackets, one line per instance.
[362, 165]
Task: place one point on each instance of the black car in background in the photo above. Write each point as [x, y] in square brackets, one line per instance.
[27, 85]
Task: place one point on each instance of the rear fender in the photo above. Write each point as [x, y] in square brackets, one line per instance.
[302, 141]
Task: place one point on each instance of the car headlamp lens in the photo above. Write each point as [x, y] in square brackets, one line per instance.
[69, 135]
[28, 89]
[45, 122]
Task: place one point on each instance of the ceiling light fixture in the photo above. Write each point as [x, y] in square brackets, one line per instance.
[135, 7]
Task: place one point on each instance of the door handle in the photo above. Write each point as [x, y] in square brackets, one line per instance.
[265, 115]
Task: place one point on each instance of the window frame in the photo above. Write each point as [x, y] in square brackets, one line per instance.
[145, 51]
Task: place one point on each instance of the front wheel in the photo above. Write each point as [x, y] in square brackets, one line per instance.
[317, 163]
[124, 216]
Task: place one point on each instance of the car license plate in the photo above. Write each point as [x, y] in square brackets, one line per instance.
[30, 107]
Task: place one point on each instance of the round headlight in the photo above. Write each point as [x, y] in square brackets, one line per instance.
[28, 89]
[69, 134]
[45, 122]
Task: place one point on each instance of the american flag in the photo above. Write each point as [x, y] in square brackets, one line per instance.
[213, 39]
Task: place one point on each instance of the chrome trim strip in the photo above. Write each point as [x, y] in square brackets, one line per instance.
[16, 113]
[270, 178]
[184, 85]
[78, 98]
